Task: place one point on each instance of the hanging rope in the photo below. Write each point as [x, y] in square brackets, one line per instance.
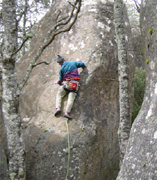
[68, 163]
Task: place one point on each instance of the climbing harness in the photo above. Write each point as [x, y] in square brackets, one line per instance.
[72, 86]
[68, 162]
[69, 90]
[76, 79]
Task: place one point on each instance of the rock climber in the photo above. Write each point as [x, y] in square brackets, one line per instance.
[69, 83]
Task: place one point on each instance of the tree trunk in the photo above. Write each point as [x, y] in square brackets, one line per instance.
[10, 99]
[125, 122]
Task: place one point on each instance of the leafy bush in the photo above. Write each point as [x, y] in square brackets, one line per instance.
[139, 89]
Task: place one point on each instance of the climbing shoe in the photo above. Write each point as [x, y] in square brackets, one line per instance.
[58, 111]
[67, 116]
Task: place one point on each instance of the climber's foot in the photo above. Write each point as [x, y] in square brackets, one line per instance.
[58, 111]
[66, 115]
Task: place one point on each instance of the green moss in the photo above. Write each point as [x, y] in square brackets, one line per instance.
[144, 166]
[150, 31]
[147, 61]
[75, 146]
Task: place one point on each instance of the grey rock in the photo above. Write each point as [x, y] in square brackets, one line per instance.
[94, 150]
[140, 162]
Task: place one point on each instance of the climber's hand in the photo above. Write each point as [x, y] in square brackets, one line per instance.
[58, 82]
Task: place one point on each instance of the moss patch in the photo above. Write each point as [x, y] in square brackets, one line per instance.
[147, 61]
[150, 31]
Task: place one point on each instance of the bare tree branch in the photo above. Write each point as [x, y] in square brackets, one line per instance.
[22, 12]
[137, 6]
[71, 4]
[59, 27]
[43, 62]
[20, 16]
[59, 12]
[27, 37]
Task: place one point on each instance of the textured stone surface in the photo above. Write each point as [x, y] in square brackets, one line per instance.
[93, 131]
[3, 151]
[140, 162]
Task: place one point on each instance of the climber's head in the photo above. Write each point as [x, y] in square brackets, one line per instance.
[60, 60]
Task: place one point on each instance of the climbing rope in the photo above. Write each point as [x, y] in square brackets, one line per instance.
[68, 163]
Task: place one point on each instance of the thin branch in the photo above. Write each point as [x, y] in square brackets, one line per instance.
[20, 16]
[43, 62]
[64, 18]
[64, 23]
[111, 79]
[27, 37]
[58, 14]
[57, 29]
[1, 44]
[71, 4]
[137, 6]
[60, 23]
[24, 11]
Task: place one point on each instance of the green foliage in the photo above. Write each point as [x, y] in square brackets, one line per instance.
[144, 165]
[148, 46]
[150, 31]
[147, 61]
[139, 89]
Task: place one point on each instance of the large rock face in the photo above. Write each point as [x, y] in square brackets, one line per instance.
[93, 131]
[140, 161]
